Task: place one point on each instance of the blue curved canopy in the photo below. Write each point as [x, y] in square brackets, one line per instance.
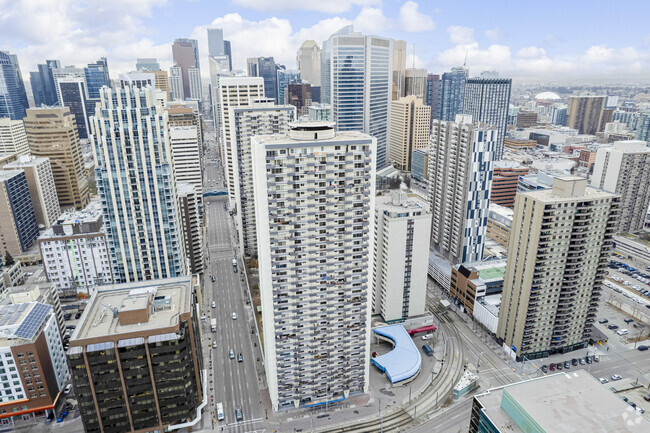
[404, 361]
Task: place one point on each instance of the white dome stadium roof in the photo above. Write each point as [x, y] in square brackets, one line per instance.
[545, 96]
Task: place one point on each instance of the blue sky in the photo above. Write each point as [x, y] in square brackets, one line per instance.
[551, 40]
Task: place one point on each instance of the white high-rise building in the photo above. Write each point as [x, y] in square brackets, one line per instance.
[194, 75]
[461, 159]
[219, 68]
[624, 169]
[308, 61]
[234, 92]
[13, 138]
[75, 252]
[403, 229]
[135, 181]
[361, 85]
[261, 117]
[42, 189]
[176, 83]
[186, 155]
[314, 201]
[67, 72]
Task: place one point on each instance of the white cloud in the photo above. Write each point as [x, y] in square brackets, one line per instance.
[412, 20]
[460, 34]
[326, 6]
[495, 57]
[494, 34]
[79, 33]
[371, 20]
[531, 52]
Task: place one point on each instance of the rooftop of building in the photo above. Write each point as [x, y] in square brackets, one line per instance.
[631, 146]
[25, 161]
[491, 303]
[398, 200]
[312, 134]
[568, 188]
[5, 175]
[22, 321]
[488, 270]
[505, 163]
[502, 211]
[163, 299]
[560, 403]
[547, 96]
[184, 188]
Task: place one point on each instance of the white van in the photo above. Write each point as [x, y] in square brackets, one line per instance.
[220, 411]
[622, 332]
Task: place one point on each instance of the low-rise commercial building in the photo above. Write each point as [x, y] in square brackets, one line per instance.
[471, 281]
[499, 224]
[136, 357]
[504, 182]
[560, 402]
[32, 360]
[75, 253]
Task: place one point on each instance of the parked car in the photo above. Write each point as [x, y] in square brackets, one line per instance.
[616, 377]
[238, 414]
[67, 389]
[597, 358]
[567, 364]
[612, 327]
[544, 369]
[582, 361]
[559, 366]
[428, 336]
[67, 316]
[622, 332]
[603, 321]
[214, 344]
[428, 350]
[628, 320]
[214, 304]
[603, 380]
[647, 397]
[78, 315]
[640, 409]
[574, 362]
[589, 359]
[231, 354]
[552, 367]
[374, 354]
[642, 348]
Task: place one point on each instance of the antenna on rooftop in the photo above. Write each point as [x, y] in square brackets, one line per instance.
[413, 56]
[465, 62]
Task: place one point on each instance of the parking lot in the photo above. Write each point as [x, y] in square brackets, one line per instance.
[633, 280]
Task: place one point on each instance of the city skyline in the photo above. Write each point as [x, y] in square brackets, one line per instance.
[490, 36]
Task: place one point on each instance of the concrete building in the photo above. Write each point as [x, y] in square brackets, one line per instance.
[399, 69]
[234, 92]
[136, 358]
[260, 117]
[285, 78]
[186, 153]
[499, 224]
[6, 158]
[452, 93]
[42, 189]
[320, 113]
[361, 86]
[194, 75]
[52, 133]
[471, 281]
[558, 402]
[541, 180]
[432, 97]
[415, 83]
[308, 61]
[32, 358]
[504, 182]
[143, 244]
[190, 202]
[299, 95]
[487, 100]
[18, 226]
[147, 64]
[185, 53]
[315, 261]
[519, 144]
[585, 113]
[461, 158]
[401, 246]
[42, 292]
[420, 165]
[560, 244]
[176, 83]
[410, 123]
[13, 138]
[624, 169]
[75, 252]
[526, 119]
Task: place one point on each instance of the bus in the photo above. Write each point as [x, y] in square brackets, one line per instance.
[220, 411]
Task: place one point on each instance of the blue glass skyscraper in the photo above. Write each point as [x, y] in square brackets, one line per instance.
[286, 77]
[267, 69]
[452, 93]
[43, 86]
[13, 98]
[97, 77]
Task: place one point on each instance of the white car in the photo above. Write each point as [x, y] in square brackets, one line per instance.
[428, 336]
[214, 304]
[627, 283]
[616, 377]
[622, 332]
[234, 316]
[603, 380]
[214, 344]
[67, 389]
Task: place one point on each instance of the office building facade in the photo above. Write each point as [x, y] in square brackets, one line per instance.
[452, 93]
[433, 93]
[215, 42]
[176, 83]
[624, 169]
[13, 138]
[420, 164]
[401, 247]
[361, 86]
[136, 358]
[559, 246]
[261, 117]
[308, 62]
[315, 261]
[42, 82]
[415, 83]
[42, 190]
[487, 100]
[18, 226]
[96, 77]
[13, 97]
[74, 96]
[410, 123]
[186, 154]
[285, 78]
[147, 64]
[185, 53]
[461, 158]
[505, 181]
[300, 96]
[141, 214]
[398, 70]
[190, 202]
[52, 133]
[75, 253]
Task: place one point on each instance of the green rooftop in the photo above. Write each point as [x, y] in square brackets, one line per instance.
[491, 273]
